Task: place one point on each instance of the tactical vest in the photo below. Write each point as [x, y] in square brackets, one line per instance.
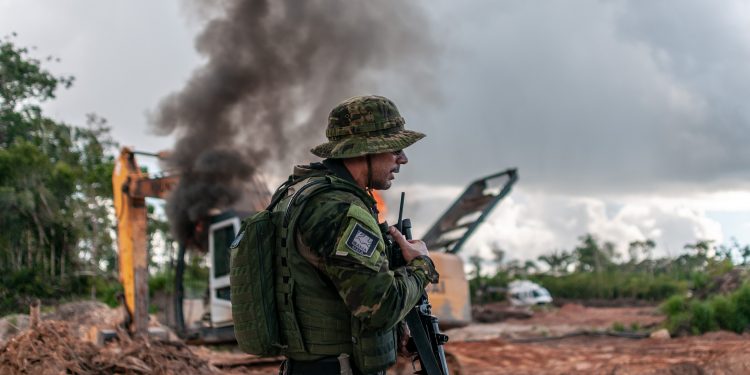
[313, 319]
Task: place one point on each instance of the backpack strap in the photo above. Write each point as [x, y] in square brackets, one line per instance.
[292, 212]
[317, 185]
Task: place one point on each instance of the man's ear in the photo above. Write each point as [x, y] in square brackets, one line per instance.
[357, 166]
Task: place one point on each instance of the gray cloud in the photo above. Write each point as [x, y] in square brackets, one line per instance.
[596, 98]
[706, 48]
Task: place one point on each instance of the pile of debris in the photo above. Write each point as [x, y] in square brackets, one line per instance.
[48, 348]
[53, 347]
[58, 344]
[82, 316]
[723, 284]
[498, 312]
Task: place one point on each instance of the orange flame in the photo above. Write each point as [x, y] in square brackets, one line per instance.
[382, 208]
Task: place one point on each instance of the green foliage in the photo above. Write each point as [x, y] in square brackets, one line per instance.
[162, 281]
[700, 280]
[600, 273]
[679, 324]
[640, 249]
[612, 284]
[618, 327]
[483, 288]
[674, 305]
[18, 287]
[196, 277]
[741, 299]
[703, 318]
[22, 77]
[557, 261]
[730, 313]
[54, 185]
[106, 290]
[592, 256]
[724, 310]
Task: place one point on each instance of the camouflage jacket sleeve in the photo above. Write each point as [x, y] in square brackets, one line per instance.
[348, 239]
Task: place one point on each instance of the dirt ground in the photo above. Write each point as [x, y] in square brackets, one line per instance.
[570, 340]
[559, 321]
[722, 353]
[573, 340]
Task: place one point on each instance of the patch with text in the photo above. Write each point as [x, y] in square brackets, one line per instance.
[362, 241]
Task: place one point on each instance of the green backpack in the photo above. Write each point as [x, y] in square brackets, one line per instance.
[251, 277]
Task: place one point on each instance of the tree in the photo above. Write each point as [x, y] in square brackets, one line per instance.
[699, 249]
[558, 261]
[514, 269]
[745, 253]
[530, 266]
[641, 250]
[54, 178]
[476, 262]
[590, 256]
[498, 254]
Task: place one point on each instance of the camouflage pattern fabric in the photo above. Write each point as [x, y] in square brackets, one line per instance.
[340, 227]
[365, 125]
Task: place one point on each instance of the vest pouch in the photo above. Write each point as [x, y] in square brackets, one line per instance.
[373, 351]
[254, 311]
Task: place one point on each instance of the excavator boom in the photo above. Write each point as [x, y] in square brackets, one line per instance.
[131, 187]
[455, 226]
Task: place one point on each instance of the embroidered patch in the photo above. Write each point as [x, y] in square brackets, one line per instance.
[362, 241]
[237, 240]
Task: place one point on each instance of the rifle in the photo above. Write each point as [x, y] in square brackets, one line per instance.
[426, 339]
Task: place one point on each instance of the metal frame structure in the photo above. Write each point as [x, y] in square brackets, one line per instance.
[468, 212]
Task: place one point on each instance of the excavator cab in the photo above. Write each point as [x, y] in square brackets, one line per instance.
[216, 325]
[224, 227]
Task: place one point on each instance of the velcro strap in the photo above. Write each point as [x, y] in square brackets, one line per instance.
[329, 348]
[322, 366]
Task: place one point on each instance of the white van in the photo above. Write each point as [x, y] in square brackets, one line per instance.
[527, 293]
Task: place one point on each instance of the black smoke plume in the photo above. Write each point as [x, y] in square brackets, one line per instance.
[273, 71]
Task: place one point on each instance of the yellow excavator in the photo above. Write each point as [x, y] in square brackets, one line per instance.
[130, 188]
[450, 298]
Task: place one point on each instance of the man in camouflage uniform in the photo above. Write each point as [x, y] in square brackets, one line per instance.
[348, 300]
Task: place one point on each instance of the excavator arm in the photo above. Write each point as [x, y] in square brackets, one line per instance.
[130, 188]
[451, 231]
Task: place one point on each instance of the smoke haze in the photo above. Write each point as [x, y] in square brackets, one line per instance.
[273, 71]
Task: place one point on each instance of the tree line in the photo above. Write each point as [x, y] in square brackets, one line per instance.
[57, 224]
[55, 185]
[593, 269]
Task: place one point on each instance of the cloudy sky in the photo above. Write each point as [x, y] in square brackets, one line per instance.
[627, 120]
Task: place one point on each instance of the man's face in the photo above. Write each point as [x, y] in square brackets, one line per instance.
[384, 166]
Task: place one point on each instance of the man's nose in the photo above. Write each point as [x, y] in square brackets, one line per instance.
[402, 158]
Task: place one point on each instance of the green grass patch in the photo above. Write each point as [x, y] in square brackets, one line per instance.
[730, 312]
[612, 285]
[618, 327]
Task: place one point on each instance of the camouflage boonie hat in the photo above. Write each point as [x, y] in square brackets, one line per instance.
[365, 125]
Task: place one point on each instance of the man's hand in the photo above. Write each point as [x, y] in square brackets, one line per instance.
[409, 248]
[403, 340]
